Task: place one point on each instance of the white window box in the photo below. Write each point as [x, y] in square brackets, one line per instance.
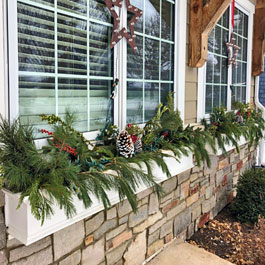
[23, 226]
[228, 147]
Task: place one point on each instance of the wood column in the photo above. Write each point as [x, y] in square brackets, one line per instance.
[259, 39]
[204, 15]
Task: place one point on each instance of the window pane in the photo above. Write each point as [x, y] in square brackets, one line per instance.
[154, 60]
[224, 71]
[36, 97]
[165, 89]
[100, 54]
[135, 102]
[152, 17]
[151, 59]
[151, 100]
[72, 45]
[225, 19]
[139, 24]
[217, 65]
[208, 99]
[245, 50]
[217, 42]
[45, 2]
[225, 39]
[239, 73]
[72, 95]
[98, 103]
[224, 96]
[217, 69]
[35, 39]
[167, 61]
[98, 10]
[135, 60]
[75, 6]
[167, 20]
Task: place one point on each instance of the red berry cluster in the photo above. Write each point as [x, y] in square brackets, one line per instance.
[165, 134]
[66, 148]
[45, 131]
[216, 123]
[61, 145]
[134, 137]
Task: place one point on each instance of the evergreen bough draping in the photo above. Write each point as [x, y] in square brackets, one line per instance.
[70, 165]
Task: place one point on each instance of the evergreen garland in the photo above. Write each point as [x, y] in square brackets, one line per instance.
[166, 131]
[228, 126]
[73, 166]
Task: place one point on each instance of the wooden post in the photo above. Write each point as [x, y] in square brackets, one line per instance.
[204, 14]
[259, 39]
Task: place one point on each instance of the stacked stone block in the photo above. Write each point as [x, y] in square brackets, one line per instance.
[120, 236]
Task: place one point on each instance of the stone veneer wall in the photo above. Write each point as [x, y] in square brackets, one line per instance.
[119, 236]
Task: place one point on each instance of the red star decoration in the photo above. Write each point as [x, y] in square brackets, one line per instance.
[232, 51]
[118, 35]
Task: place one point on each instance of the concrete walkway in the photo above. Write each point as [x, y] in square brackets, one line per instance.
[185, 254]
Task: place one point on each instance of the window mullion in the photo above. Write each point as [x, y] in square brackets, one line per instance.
[56, 57]
[88, 67]
[229, 77]
[121, 72]
[160, 59]
[13, 59]
[144, 62]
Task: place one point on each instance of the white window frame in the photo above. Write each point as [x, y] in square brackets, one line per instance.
[120, 66]
[249, 9]
[3, 62]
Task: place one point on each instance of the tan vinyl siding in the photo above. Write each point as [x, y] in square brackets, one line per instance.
[191, 83]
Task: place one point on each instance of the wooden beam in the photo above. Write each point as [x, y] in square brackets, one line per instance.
[259, 39]
[204, 15]
[260, 4]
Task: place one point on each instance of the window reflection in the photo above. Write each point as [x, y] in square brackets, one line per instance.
[152, 17]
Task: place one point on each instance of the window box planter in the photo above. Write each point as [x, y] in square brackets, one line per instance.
[23, 226]
[228, 147]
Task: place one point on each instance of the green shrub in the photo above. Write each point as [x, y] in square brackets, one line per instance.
[250, 200]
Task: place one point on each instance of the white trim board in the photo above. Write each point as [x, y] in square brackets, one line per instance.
[180, 55]
[3, 62]
[248, 8]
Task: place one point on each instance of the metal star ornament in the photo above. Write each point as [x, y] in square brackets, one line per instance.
[118, 35]
[233, 50]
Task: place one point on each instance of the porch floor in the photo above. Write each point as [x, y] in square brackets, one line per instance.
[186, 254]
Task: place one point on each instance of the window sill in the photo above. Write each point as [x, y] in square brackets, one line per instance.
[23, 226]
[228, 147]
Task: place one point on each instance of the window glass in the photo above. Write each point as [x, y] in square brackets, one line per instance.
[217, 66]
[135, 111]
[65, 61]
[150, 70]
[75, 6]
[217, 71]
[98, 10]
[239, 74]
[152, 17]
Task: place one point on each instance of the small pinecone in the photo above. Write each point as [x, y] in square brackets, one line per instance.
[138, 147]
[125, 144]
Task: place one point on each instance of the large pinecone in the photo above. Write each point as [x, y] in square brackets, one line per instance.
[125, 144]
